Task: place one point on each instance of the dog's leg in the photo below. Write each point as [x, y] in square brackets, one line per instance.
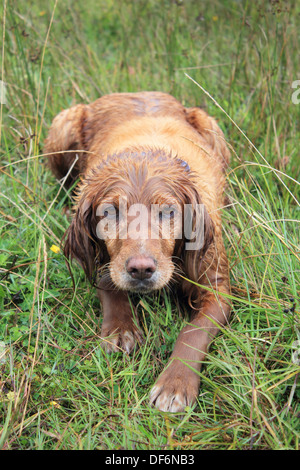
[119, 328]
[178, 385]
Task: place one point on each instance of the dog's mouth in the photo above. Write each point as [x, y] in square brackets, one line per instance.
[141, 286]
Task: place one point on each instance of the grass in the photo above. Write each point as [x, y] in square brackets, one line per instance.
[58, 389]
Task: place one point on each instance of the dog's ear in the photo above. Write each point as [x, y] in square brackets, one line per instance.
[195, 249]
[81, 241]
[198, 231]
[208, 128]
[66, 135]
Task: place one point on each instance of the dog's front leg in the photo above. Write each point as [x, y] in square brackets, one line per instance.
[178, 385]
[119, 328]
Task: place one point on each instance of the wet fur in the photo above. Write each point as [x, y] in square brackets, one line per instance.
[150, 149]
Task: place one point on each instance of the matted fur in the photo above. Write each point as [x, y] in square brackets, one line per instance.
[148, 148]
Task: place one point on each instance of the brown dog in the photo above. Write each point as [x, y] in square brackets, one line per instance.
[146, 151]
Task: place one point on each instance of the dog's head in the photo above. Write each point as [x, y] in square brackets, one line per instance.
[139, 219]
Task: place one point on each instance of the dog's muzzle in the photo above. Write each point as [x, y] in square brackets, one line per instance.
[141, 273]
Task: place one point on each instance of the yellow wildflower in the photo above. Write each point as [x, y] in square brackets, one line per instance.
[55, 404]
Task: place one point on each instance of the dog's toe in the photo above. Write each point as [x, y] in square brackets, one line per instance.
[168, 400]
[175, 389]
[128, 340]
[121, 340]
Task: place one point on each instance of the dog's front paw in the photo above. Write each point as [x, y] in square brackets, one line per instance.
[176, 388]
[117, 338]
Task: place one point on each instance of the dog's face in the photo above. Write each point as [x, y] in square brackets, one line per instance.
[140, 239]
[131, 218]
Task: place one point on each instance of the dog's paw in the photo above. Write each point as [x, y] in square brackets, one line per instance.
[175, 389]
[121, 339]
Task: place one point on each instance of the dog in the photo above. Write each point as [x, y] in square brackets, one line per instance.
[147, 150]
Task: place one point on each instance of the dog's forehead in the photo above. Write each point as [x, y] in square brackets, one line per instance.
[149, 176]
[148, 195]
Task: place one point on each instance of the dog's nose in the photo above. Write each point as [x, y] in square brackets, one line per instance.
[141, 267]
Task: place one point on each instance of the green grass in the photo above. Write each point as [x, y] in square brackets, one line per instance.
[58, 389]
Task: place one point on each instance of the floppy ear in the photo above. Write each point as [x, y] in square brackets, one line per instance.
[193, 257]
[198, 230]
[66, 134]
[208, 128]
[81, 242]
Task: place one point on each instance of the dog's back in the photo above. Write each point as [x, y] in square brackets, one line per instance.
[95, 129]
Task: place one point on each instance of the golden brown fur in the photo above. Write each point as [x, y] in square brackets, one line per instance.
[149, 149]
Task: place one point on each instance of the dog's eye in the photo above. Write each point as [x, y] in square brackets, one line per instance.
[111, 212]
[167, 213]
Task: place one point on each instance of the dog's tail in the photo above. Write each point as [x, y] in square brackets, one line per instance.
[64, 146]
